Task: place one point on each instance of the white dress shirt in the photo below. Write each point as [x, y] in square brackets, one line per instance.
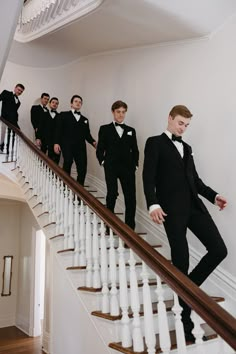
[119, 130]
[77, 116]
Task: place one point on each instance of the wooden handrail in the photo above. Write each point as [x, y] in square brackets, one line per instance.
[219, 319]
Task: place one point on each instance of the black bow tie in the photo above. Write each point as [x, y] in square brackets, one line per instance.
[77, 112]
[177, 138]
[53, 111]
[120, 125]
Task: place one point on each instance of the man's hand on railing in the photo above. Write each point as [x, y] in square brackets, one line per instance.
[57, 149]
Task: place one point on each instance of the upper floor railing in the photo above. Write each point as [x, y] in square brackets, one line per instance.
[40, 17]
[80, 219]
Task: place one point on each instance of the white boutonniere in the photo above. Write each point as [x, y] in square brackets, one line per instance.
[192, 153]
[86, 121]
[129, 133]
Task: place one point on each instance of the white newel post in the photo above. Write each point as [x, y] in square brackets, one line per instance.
[104, 271]
[179, 329]
[150, 337]
[164, 334]
[137, 337]
[76, 231]
[89, 266]
[95, 248]
[126, 338]
[114, 304]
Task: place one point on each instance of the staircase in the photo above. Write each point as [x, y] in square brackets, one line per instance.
[125, 289]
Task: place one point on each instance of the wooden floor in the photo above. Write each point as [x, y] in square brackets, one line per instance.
[13, 341]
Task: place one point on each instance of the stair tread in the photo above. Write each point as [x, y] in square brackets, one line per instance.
[210, 334]
[56, 236]
[66, 250]
[169, 304]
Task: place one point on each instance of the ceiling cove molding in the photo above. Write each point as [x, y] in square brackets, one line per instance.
[41, 17]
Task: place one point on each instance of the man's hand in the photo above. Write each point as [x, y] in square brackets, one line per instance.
[95, 144]
[158, 215]
[221, 202]
[57, 149]
[38, 142]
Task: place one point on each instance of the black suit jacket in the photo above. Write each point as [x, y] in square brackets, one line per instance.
[10, 107]
[47, 128]
[115, 151]
[69, 132]
[37, 112]
[171, 181]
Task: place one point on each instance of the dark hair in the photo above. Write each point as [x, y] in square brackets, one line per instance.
[76, 96]
[54, 98]
[44, 94]
[21, 86]
[180, 110]
[119, 104]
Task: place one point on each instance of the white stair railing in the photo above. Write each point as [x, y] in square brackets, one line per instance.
[68, 212]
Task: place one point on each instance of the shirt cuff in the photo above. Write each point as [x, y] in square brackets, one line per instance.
[217, 195]
[153, 207]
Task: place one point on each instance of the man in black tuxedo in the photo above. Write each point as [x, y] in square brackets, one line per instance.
[46, 131]
[171, 187]
[72, 132]
[117, 151]
[10, 105]
[37, 111]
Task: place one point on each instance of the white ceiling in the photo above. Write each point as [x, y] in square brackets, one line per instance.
[119, 24]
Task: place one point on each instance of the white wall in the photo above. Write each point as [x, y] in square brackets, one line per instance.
[9, 244]
[27, 228]
[199, 74]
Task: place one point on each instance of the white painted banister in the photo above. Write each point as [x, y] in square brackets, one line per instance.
[80, 226]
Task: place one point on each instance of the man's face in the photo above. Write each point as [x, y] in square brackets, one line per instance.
[44, 100]
[54, 104]
[178, 125]
[119, 114]
[76, 104]
[18, 90]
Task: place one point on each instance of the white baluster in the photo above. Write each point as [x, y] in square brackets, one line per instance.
[150, 337]
[10, 147]
[126, 338]
[114, 304]
[82, 235]
[71, 221]
[76, 231]
[104, 271]
[164, 334]
[65, 218]
[5, 141]
[96, 267]
[138, 345]
[179, 329]
[61, 208]
[89, 266]
[57, 217]
[198, 331]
